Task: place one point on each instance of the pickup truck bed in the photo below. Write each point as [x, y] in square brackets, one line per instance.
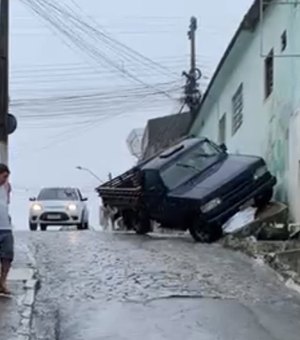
[122, 192]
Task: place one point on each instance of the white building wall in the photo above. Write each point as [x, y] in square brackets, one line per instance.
[271, 127]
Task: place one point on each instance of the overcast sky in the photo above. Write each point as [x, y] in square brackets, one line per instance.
[118, 92]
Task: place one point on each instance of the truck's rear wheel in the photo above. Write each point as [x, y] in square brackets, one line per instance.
[204, 232]
[142, 225]
[128, 220]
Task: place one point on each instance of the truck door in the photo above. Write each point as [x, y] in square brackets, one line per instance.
[154, 193]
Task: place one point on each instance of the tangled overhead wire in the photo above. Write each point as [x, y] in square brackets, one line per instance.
[84, 35]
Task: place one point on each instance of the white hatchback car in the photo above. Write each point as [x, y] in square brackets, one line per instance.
[58, 207]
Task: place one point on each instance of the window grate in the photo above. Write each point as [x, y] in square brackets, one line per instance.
[269, 74]
[237, 109]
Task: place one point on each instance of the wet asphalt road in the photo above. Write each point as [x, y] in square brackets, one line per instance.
[113, 286]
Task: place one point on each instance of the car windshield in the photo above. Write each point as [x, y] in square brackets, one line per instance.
[58, 194]
[189, 164]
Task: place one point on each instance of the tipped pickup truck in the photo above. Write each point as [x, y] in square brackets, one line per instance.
[195, 185]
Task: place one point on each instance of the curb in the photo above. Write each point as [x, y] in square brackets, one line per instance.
[26, 277]
[26, 304]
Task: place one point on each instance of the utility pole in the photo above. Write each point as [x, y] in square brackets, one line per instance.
[192, 37]
[4, 79]
[192, 92]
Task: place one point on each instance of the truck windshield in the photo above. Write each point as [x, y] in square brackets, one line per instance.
[58, 195]
[189, 164]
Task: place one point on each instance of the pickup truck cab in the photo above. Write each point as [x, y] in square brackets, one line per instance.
[195, 185]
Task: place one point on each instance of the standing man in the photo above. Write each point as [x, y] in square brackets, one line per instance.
[6, 236]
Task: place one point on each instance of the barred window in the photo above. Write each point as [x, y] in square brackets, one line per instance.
[269, 74]
[237, 109]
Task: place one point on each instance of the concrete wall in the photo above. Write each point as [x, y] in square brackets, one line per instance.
[271, 127]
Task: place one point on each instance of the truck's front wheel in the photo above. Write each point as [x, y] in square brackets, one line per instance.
[264, 199]
[204, 232]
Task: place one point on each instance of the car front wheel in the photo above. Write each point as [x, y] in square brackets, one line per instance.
[264, 199]
[43, 227]
[82, 226]
[33, 226]
[204, 232]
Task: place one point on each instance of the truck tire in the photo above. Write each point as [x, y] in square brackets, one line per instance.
[128, 220]
[142, 225]
[264, 199]
[204, 232]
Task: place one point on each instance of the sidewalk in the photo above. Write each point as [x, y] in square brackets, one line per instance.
[16, 312]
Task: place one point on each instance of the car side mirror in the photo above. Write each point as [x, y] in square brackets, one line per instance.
[32, 199]
[223, 147]
[84, 199]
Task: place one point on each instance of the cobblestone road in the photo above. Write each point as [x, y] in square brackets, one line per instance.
[116, 286]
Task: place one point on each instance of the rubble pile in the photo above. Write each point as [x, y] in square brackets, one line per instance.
[268, 236]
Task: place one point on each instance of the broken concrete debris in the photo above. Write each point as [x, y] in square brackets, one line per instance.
[266, 234]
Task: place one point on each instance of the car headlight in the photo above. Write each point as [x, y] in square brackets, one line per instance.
[72, 207]
[36, 207]
[260, 172]
[211, 205]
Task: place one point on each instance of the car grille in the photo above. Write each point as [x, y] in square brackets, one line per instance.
[54, 216]
[242, 188]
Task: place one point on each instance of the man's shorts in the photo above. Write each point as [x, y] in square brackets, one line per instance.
[6, 245]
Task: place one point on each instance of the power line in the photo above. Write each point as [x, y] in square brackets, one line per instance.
[72, 132]
[121, 92]
[126, 48]
[85, 70]
[68, 32]
[84, 31]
